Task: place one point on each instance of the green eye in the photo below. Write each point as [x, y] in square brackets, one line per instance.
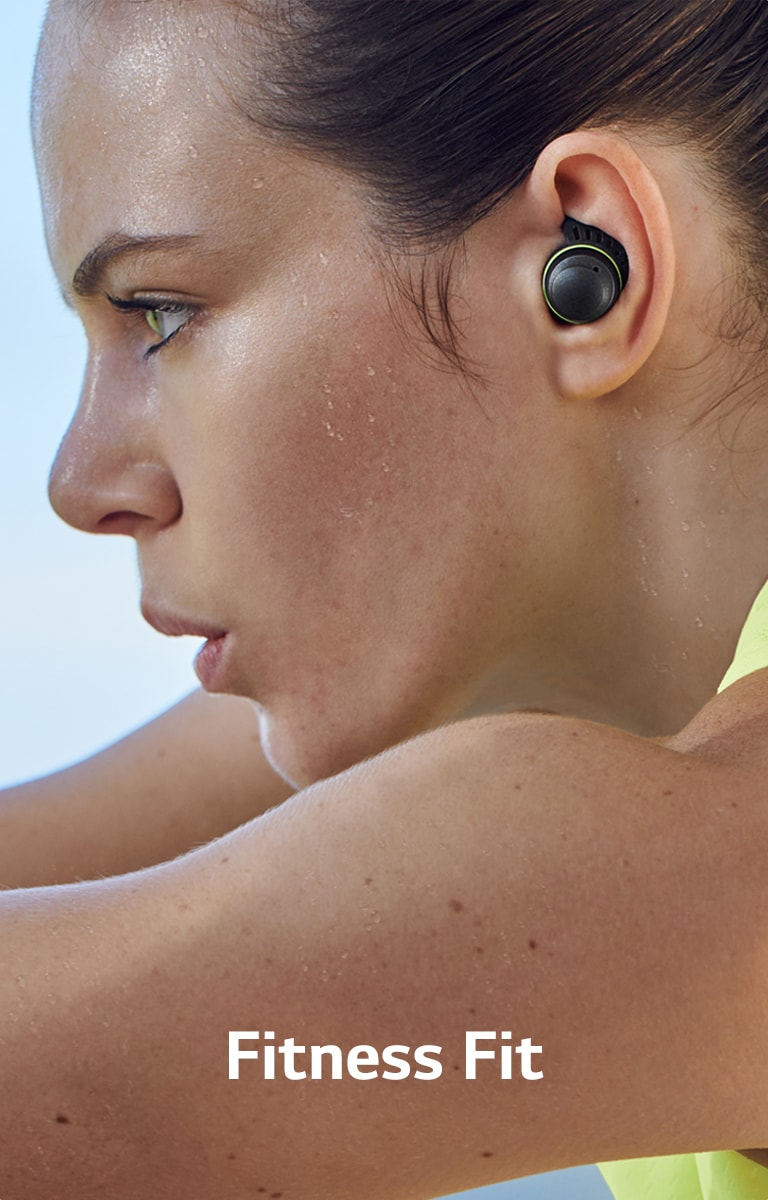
[153, 322]
[167, 319]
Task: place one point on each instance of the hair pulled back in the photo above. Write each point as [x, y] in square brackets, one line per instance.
[442, 106]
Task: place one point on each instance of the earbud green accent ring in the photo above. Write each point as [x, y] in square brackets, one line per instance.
[583, 279]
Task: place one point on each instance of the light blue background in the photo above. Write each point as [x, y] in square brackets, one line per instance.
[79, 665]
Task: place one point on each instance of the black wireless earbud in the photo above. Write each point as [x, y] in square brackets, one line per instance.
[584, 278]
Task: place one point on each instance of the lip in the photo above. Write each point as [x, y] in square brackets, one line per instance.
[210, 663]
[175, 625]
[210, 660]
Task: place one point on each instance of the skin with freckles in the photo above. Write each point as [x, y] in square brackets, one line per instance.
[379, 545]
[286, 472]
[387, 544]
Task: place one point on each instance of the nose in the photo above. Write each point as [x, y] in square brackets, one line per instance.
[108, 475]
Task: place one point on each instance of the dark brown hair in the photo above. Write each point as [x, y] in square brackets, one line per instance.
[441, 107]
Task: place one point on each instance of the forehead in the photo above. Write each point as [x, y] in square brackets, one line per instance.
[135, 126]
[131, 59]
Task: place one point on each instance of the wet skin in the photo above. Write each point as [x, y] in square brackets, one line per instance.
[386, 547]
[506, 527]
[293, 470]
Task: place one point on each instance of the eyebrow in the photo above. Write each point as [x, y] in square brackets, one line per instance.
[89, 277]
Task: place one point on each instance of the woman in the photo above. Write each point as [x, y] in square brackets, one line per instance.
[397, 497]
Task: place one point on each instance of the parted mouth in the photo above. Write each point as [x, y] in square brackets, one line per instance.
[175, 625]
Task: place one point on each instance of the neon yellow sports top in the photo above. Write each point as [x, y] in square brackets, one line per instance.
[724, 1175]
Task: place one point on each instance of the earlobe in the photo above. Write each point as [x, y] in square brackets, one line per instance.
[601, 181]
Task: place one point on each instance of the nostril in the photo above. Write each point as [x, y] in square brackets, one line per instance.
[125, 523]
[92, 494]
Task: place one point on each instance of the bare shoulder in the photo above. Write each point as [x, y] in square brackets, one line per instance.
[507, 946]
[733, 728]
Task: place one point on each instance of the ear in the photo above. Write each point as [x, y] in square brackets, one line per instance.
[598, 178]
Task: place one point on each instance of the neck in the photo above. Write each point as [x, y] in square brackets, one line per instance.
[642, 623]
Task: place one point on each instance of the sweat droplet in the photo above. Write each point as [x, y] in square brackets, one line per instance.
[202, 32]
[685, 526]
[371, 370]
[258, 183]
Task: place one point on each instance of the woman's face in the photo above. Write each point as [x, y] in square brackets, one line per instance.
[297, 473]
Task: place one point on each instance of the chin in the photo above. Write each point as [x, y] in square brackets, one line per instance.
[304, 751]
[300, 753]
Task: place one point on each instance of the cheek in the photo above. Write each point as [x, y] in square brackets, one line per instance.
[320, 449]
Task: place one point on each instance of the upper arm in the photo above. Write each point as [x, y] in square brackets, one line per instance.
[548, 878]
[193, 773]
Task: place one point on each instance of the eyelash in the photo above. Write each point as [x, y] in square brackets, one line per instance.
[143, 307]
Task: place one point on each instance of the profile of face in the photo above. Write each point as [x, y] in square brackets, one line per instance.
[260, 410]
